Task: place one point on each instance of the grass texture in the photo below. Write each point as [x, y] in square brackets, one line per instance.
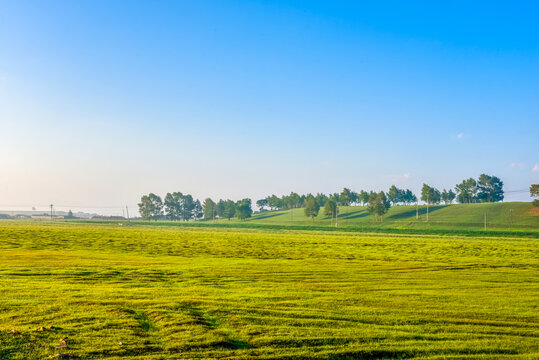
[145, 292]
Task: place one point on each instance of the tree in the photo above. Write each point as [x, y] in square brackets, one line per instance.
[534, 192]
[489, 188]
[187, 207]
[311, 207]
[229, 209]
[262, 203]
[274, 202]
[173, 205]
[321, 199]
[243, 209]
[220, 208]
[467, 191]
[430, 195]
[378, 205]
[345, 197]
[448, 196]
[156, 206]
[394, 195]
[451, 196]
[409, 197]
[445, 196]
[330, 208]
[197, 210]
[363, 197]
[144, 207]
[150, 207]
[209, 209]
[294, 200]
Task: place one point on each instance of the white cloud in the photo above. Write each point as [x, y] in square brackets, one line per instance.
[399, 178]
[460, 136]
[518, 165]
[536, 167]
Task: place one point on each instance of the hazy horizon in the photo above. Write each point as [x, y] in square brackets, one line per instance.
[103, 102]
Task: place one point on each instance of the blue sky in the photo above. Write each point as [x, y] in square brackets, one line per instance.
[103, 101]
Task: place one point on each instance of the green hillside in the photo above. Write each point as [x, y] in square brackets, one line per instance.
[517, 215]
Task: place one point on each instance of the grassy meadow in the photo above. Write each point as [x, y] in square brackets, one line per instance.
[147, 292]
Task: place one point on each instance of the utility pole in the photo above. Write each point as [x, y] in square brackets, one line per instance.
[416, 210]
[336, 214]
[127, 212]
[485, 221]
[51, 212]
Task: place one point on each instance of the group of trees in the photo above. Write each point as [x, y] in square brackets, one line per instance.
[378, 204]
[396, 196]
[178, 206]
[485, 189]
[346, 197]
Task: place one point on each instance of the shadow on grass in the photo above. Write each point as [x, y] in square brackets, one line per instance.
[259, 217]
[412, 213]
[354, 215]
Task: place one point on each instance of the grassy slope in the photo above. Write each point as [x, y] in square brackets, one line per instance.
[168, 292]
[461, 215]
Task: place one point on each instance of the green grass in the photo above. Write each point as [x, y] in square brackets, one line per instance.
[503, 219]
[177, 292]
[516, 215]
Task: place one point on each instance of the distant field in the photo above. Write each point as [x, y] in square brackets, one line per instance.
[503, 219]
[178, 292]
[499, 215]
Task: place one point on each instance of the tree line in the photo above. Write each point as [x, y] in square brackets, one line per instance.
[177, 206]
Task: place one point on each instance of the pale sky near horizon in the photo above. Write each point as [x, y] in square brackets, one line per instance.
[101, 102]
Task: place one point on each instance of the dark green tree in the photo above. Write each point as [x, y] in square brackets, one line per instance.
[312, 207]
[198, 212]
[395, 195]
[187, 207]
[220, 208]
[151, 207]
[451, 196]
[262, 203]
[274, 202]
[321, 199]
[378, 205]
[330, 208]
[173, 205]
[210, 210]
[534, 192]
[409, 197]
[345, 197]
[363, 197]
[489, 188]
[230, 209]
[467, 191]
[430, 195]
[243, 209]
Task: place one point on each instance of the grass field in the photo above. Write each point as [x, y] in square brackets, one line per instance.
[147, 292]
[516, 215]
[503, 219]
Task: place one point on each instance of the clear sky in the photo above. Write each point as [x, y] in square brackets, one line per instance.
[103, 101]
